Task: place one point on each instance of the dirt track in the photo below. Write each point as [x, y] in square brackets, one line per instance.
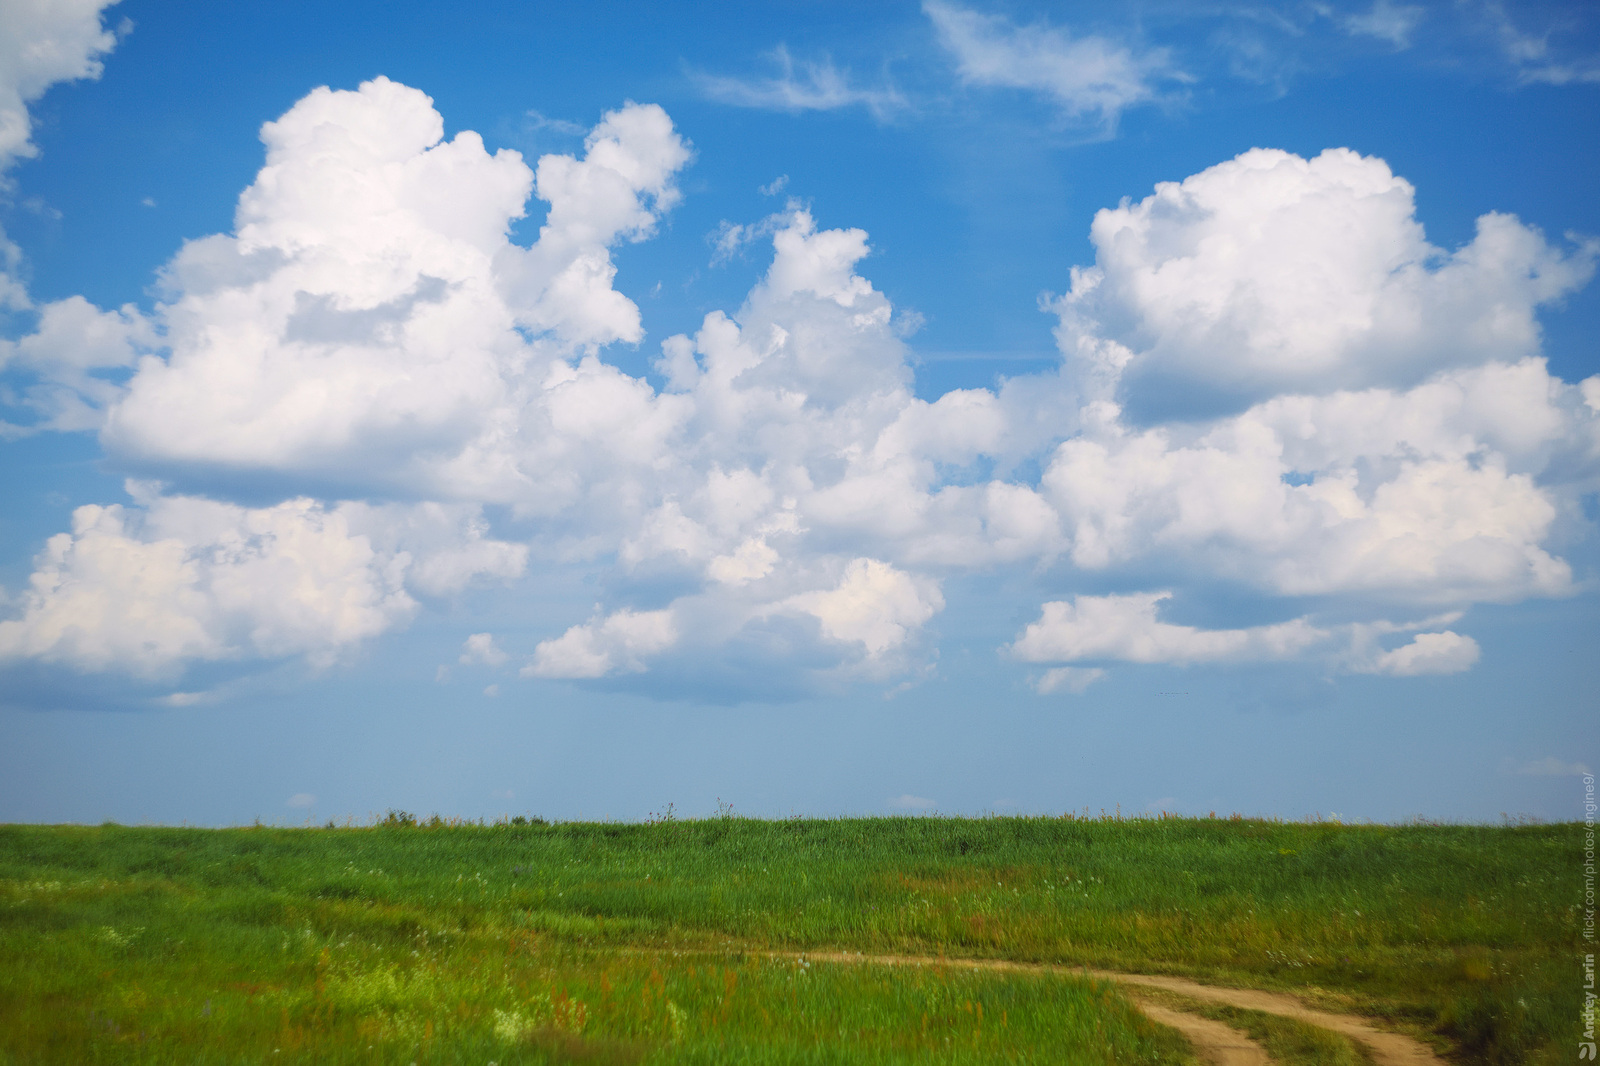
[1223, 1045]
[1388, 1049]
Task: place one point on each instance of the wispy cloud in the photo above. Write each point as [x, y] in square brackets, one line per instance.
[536, 120]
[1531, 55]
[185, 699]
[1386, 21]
[1089, 77]
[801, 86]
[1073, 679]
[729, 239]
[1549, 767]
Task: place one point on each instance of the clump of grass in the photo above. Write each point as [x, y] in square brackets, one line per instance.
[1500, 1012]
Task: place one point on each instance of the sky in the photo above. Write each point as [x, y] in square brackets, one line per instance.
[815, 408]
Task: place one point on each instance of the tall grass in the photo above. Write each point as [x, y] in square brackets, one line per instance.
[1461, 932]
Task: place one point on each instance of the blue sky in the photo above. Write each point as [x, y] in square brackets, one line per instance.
[946, 407]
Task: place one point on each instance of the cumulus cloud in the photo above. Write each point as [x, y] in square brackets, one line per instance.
[1427, 653]
[448, 545]
[1271, 273]
[1400, 495]
[873, 603]
[63, 374]
[145, 589]
[167, 580]
[66, 371]
[620, 642]
[43, 42]
[1388, 428]
[369, 312]
[1125, 628]
[1088, 77]
[436, 402]
[804, 86]
[480, 648]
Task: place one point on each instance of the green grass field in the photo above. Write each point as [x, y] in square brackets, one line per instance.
[651, 943]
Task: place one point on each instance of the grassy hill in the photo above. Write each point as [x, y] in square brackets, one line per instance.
[526, 942]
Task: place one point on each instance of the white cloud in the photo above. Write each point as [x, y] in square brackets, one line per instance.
[370, 314]
[43, 42]
[1272, 273]
[448, 545]
[1088, 77]
[1125, 628]
[65, 363]
[186, 699]
[369, 336]
[1427, 495]
[1427, 653]
[301, 799]
[1073, 679]
[481, 648]
[618, 191]
[873, 603]
[1396, 435]
[750, 561]
[172, 579]
[56, 376]
[806, 86]
[730, 239]
[618, 643]
[182, 578]
[908, 802]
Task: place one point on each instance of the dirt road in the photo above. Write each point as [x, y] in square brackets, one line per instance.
[1222, 1044]
[1388, 1049]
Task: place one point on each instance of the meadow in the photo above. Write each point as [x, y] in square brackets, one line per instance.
[685, 940]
